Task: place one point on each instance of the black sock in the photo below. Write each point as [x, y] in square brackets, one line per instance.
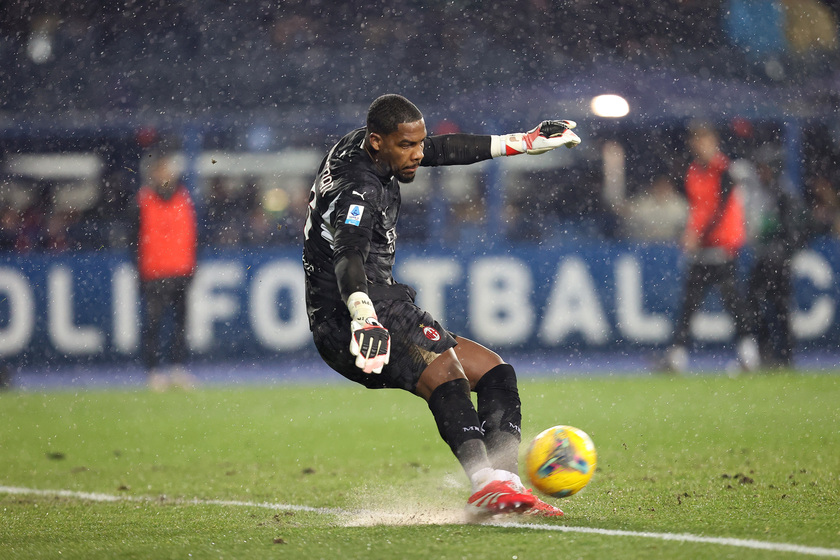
[499, 410]
[458, 424]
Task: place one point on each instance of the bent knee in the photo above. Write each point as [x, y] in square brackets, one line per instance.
[443, 369]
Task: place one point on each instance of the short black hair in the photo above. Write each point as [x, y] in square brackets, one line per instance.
[387, 112]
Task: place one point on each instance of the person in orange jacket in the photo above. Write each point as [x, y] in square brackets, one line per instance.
[166, 248]
[714, 234]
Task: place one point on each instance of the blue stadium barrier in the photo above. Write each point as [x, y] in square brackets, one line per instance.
[83, 308]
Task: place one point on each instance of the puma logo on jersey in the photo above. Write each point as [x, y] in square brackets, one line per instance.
[357, 193]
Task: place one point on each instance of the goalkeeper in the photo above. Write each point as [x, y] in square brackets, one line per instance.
[365, 324]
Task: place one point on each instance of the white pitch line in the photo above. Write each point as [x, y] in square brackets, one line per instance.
[679, 537]
[724, 541]
[96, 497]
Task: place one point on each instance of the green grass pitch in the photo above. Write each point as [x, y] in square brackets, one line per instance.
[336, 471]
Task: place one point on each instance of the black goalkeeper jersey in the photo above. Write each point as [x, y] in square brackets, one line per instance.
[353, 212]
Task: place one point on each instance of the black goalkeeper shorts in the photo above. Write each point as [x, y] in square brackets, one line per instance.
[416, 340]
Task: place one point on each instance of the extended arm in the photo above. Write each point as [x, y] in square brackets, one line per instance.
[462, 149]
[370, 342]
[456, 149]
[544, 137]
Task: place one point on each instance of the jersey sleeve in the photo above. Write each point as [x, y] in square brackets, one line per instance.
[353, 223]
[455, 149]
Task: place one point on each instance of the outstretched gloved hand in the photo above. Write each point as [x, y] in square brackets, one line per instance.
[370, 342]
[542, 138]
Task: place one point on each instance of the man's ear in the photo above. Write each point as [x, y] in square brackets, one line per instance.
[375, 141]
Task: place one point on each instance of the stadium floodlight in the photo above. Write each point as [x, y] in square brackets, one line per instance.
[39, 47]
[610, 105]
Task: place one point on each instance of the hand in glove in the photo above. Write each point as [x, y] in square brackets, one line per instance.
[544, 137]
[370, 342]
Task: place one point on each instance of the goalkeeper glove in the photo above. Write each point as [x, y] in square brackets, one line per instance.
[370, 342]
[544, 137]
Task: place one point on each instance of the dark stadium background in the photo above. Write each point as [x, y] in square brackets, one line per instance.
[247, 91]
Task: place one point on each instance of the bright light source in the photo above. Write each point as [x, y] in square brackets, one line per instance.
[276, 200]
[39, 47]
[610, 106]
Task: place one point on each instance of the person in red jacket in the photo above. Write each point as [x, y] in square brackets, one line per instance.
[166, 247]
[714, 234]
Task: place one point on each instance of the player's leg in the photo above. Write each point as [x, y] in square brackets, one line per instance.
[499, 411]
[695, 285]
[759, 301]
[733, 301]
[445, 387]
[178, 348]
[498, 404]
[747, 349]
[153, 310]
[446, 390]
[783, 298]
[424, 362]
[180, 377]
[697, 282]
[152, 316]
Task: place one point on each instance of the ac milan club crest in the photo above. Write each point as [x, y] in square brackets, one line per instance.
[431, 333]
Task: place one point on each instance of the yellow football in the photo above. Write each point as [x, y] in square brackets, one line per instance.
[561, 461]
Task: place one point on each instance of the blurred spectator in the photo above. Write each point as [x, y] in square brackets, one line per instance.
[245, 215]
[285, 219]
[468, 224]
[95, 58]
[261, 227]
[33, 219]
[166, 246]
[226, 213]
[111, 214]
[9, 228]
[810, 27]
[714, 234]
[783, 230]
[518, 224]
[188, 54]
[658, 213]
[826, 204]
[54, 234]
